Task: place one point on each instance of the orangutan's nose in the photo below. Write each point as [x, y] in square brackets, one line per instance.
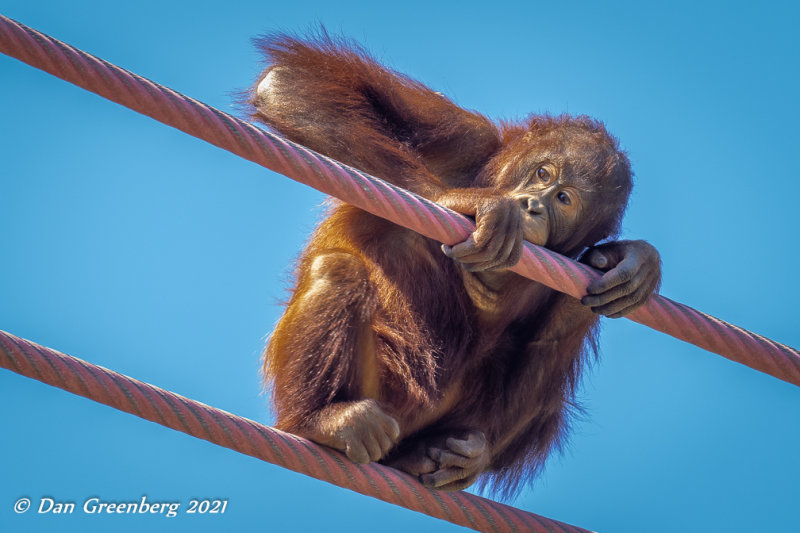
[532, 205]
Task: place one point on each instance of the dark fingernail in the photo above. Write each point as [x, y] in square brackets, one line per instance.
[600, 261]
[447, 250]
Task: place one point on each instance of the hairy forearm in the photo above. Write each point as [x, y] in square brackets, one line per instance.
[340, 102]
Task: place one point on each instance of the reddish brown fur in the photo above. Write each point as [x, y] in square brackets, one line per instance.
[451, 351]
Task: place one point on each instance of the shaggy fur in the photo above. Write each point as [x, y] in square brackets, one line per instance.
[513, 354]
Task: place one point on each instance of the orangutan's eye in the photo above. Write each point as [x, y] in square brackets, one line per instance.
[543, 174]
[564, 198]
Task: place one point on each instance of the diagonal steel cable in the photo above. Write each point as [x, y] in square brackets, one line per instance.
[372, 194]
[263, 442]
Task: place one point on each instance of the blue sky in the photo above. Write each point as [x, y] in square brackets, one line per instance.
[138, 248]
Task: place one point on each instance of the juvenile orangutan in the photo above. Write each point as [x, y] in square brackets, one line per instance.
[439, 360]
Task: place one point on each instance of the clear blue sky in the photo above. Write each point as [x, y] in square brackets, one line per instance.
[141, 249]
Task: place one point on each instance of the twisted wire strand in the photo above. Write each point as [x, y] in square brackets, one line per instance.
[263, 442]
[372, 194]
